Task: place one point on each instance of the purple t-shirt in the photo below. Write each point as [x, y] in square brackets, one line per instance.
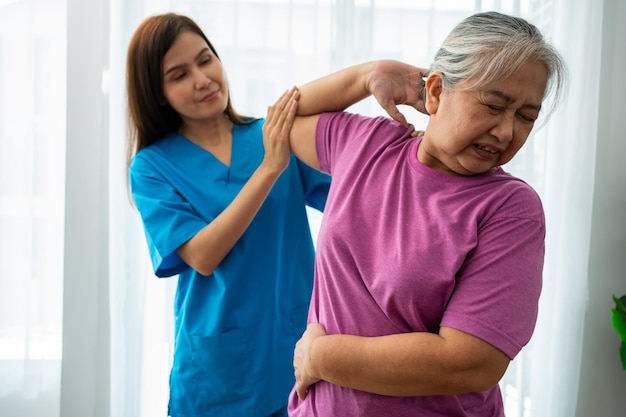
[405, 248]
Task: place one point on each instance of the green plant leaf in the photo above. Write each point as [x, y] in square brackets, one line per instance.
[620, 306]
[619, 324]
[618, 320]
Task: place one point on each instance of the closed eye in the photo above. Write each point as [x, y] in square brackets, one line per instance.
[526, 118]
[205, 60]
[495, 108]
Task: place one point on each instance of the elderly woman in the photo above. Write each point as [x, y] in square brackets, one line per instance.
[430, 255]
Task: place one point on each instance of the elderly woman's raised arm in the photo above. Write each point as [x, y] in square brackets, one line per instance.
[391, 82]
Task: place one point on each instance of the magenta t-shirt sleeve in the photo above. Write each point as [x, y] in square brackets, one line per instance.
[353, 136]
[323, 146]
[497, 289]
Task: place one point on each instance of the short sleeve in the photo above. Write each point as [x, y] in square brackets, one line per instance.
[168, 220]
[497, 290]
[315, 185]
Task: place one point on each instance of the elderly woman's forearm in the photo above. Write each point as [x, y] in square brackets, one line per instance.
[335, 92]
[410, 364]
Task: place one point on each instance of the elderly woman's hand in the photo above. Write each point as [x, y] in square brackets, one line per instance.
[394, 82]
[303, 368]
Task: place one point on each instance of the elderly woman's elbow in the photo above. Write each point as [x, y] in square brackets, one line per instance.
[487, 375]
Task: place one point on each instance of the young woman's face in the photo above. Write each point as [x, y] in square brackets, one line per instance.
[472, 132]
[194, 81]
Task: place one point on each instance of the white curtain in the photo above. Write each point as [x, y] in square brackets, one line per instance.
[32, 161]
[266, 46]
[543, 380]
[567, 192]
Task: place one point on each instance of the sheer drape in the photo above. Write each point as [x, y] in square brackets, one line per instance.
[568, 181]
[266, 46]
[32, 157]
[543, 380]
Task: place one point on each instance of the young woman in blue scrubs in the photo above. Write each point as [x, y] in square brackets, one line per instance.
[222, 202]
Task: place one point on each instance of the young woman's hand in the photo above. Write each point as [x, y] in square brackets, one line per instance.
[276, 129]
[393, 83]
[302, 359]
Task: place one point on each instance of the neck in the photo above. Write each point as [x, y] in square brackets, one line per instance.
[208, 132]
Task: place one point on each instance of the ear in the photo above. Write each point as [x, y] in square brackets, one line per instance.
[434, 88]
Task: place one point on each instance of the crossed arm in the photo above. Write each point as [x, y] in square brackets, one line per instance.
[408, 364]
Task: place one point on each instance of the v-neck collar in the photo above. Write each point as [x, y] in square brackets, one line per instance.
[247, 152]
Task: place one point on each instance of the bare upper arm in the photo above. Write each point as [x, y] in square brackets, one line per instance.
[302, 139]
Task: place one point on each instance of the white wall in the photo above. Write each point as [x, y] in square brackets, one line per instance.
[85, 367]
[602, 390]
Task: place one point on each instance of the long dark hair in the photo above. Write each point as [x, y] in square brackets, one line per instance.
[150, 118]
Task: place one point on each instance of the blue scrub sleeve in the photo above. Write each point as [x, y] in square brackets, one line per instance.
[315, 185]
[168, 219]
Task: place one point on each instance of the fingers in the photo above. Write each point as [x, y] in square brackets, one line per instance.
[301, 391]
[301, 352]
[277, 127]
[281, 114]
[298, 358]
[420, 104]
[396, 83]
[392, 110]
[316, 328]
[397, 115]
[416, 92]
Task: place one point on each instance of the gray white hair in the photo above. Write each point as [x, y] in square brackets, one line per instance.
[491, 46]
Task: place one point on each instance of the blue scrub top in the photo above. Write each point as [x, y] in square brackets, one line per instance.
[235, 330]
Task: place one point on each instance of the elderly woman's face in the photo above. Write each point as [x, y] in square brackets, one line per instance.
[472, 132]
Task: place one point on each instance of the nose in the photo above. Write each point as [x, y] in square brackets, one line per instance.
[505, 128]
[201, 81]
